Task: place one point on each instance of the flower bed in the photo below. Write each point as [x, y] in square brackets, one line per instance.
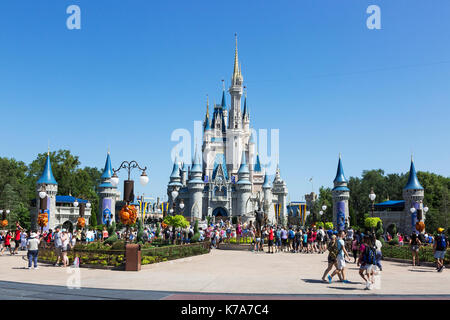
[404, 253]
[97, 255]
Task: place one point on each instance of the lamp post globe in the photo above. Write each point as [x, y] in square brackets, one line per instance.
[143, 179]
[324, 207]
[88, 205]
[425, 209]
[75, 203]
[412, 210]
[182, 205]
[174, 194]
[42, 194]
[115, 180]
[7, 211]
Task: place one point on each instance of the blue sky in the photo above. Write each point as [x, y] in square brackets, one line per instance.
[139, 69]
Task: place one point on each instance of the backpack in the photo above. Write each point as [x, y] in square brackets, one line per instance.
[333, 250]
[319, 236]
[278, 234]
[441, 243]
[370, 255]
[291, 234]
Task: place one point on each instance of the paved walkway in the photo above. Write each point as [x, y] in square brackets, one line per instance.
[237, 274]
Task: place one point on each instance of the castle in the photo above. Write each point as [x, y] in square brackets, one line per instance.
[227, 180]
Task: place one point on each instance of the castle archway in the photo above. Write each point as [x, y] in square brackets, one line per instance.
[220, 212]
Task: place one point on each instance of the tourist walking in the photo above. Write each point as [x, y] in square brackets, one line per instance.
[58, 246]
[278, 239]
[297, 240]
[65, 246]
[342, 253]
[284, 239]
[17, 238]
[2, 242]
[33, 250]
[415, 243]
[270, 238]
[332, 259]
[320, 239]
[23, 240]
[440, 246]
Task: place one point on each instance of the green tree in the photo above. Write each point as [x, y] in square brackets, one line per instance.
[177, 221]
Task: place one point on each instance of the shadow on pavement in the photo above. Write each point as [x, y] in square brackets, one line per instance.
[314, 281]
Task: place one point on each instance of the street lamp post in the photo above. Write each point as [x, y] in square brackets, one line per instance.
[324, 207]
[372, 197]
[128, 185]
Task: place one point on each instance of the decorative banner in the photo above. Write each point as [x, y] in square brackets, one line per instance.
[341, 215]
[414, 217]
[106, 211]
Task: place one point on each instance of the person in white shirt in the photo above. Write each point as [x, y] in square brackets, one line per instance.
[33, 249]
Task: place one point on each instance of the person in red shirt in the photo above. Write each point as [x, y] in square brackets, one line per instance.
[270, 240]
[8, 241]
[17, 238]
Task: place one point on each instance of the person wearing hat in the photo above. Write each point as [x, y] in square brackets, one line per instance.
[33, 249]
[440, 246]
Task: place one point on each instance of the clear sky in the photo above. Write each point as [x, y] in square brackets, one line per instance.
[137, 70]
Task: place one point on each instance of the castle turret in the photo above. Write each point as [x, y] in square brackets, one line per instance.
[280, 191]
[267, 191]
[184, 172]
[48, 184]
[108, 194]
[195, 187]
[413, 194]
[243, 188]
[235, 117]
[246, 116]
[340, 194]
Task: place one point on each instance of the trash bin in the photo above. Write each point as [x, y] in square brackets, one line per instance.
[133, 257]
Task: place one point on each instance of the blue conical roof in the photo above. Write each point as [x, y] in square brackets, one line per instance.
[107, 172]
[244, 167]
[207, 125]
[175, 170]
[47, 175]
[266, 181]
[224, 106]
[252, 138]
[196, 167]
[413, 181]
[245, 107]
[340, 177]
[257, 164]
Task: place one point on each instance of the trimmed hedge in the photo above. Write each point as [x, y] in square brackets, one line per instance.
[426, 253]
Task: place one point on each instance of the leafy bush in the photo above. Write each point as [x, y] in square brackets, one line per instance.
[372, 222]
[394, 241]
[392, 229]
[329, 225]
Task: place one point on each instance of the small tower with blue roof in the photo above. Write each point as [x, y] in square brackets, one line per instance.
[243, 187]
[108, 194]
[195, 187]
[413, 194]
[47, 183]
[341, 195]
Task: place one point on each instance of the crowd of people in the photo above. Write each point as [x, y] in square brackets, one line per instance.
[365, 248]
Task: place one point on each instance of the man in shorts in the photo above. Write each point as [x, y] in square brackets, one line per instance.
[58, 246]
[440, 246]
